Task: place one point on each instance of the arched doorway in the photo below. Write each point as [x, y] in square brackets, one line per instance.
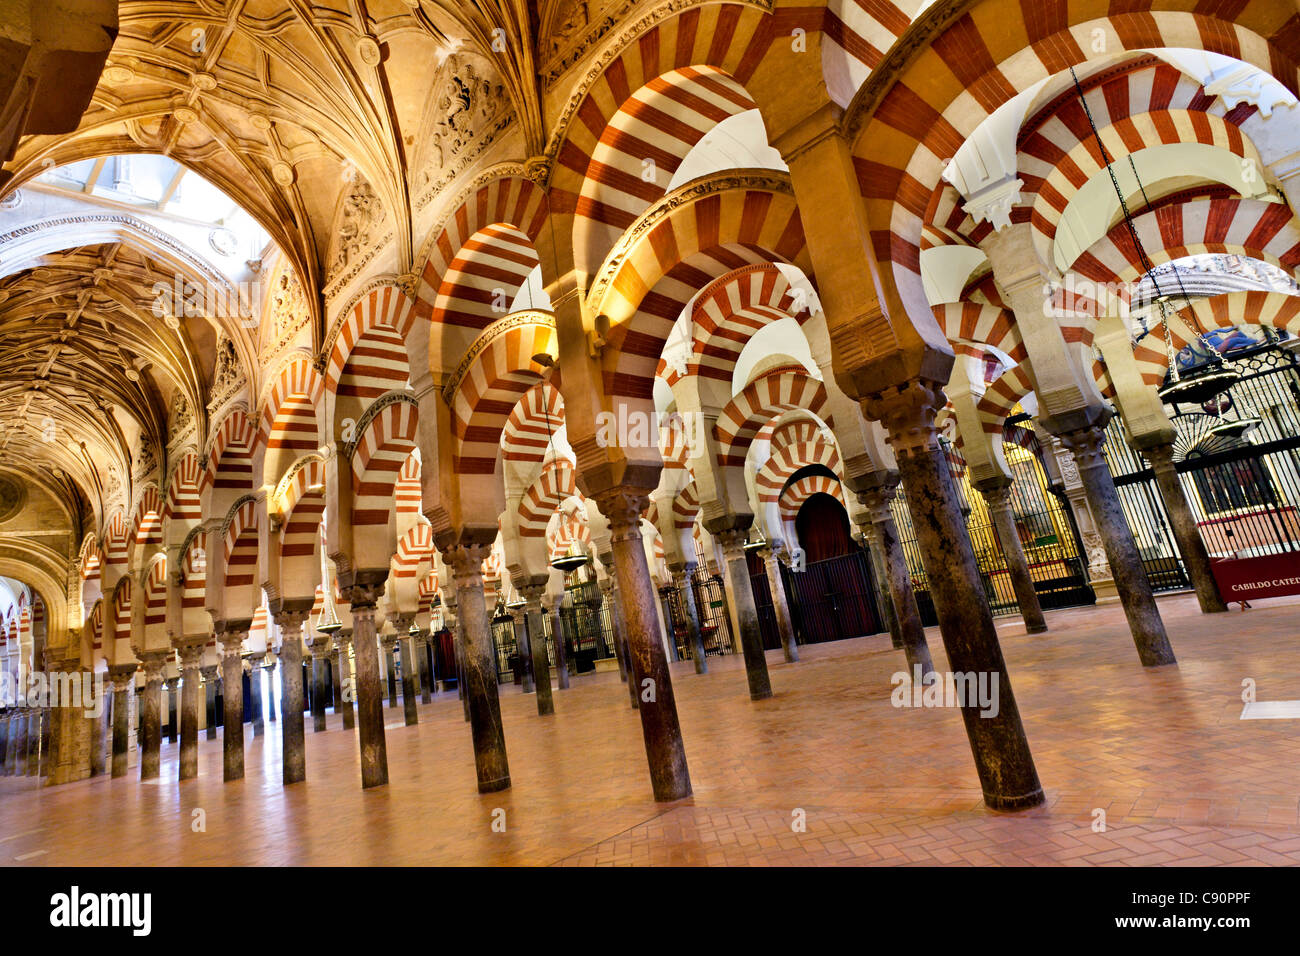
[832, 598]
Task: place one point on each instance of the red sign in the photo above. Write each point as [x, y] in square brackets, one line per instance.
[1273, 575]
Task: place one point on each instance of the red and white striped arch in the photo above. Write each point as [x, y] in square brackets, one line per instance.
[413, 548]
[797, 492]
[408, 496]
[117, 540]
[383, 447]
[933, 103]
[240, 543]
[788, 459]
[194, 567]
[303, 503]
[686, 507]
[975, 323]
[1002, 396]
[155, 594]
[428, 590]
[490, 389]
[546, 493]
[532, 423]
[230, 462]
[663, 267]
[570, 527]
[146, 526]
[856, 34]
[483, 245]
[289, 423]
[183, 503]
[1260, 230]
[122, 599]
[95, 626]
[784, 389]
[732, 309]
[640, 149]
[369, 357]
[728, 37]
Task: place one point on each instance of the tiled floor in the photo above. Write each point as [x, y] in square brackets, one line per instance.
[1181, 778]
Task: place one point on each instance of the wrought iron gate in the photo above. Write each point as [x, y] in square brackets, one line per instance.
[1238, 458]
[711, 603]
[1043, 523]
[832, 599]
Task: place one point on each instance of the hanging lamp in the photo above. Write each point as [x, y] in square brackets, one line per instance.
[327, 622]
[1179, 389]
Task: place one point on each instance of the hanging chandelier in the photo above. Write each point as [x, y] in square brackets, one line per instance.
[1221, 374]
[327, 622]
[571, 560]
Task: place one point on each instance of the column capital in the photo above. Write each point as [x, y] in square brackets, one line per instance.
[363, 597]
[154, 662]
[1159, 454]
[209, 672]
[876, 491]
[191, 654]
[291, 619]
[732, 540]
[232, 641]
[996, 490]
[907, 413]
[1086, 444]
[402, 622]
[622, 507]
[465, 558]
[122, 676]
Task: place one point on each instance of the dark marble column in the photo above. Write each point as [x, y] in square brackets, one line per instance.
[619, 623]
[876, 490]
[18, 741]
[347, 683]
[732, 540]
[272, 710]
[665, 752]
[479, 665]
[210, 697]
[293, 744]
[683, 581]
[336, 678]
[4, 742]
[388, 642]
[997, 739]
[997, 495]
[607, 600]
[191, 656]
[557, 642]
[523, 649]
[884, 599]
[35, 740]
[255, 693]
[98, 726]
[173, 689]
[151, 704]
[123, 677]
[1183, 524]
[532, 591]
[232, 680]
[426, 673]
[402, 626]
[1085, 445]
[772, 561]
[319, 682]
[369, 690]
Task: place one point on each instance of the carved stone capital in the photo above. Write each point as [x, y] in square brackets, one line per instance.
[996, 491]
[907, 413]
[154, 662]
[191, 655]
[1160, 456]
[1085, 445]
[291, 621]
[465, 558]
[232, 641]
[622, 508]
[122, 676]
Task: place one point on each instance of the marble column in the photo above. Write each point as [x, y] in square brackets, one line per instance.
[255, 692]
[1002, 757]
[773, 558]
[35, 740]
[532, 590]
[1085, 445]
[665, 753]
[402, 627]
[389, 642]
[319, 681]
[557, 641]
[751, 636]
[123, 677]
[173, 689]
[479, 666]
[347, 683]
[522, 648]
[191, 656]
[997, 495]
[18, 741]
[336, 677]
[607, 601]
[98, 726]
[272, 711]
[151, 756]
[1183, 524]
[426, 674]
[619, 623]
[232, 680]
[683, 580]
[210, 697]
[293, 744]
[884, 600]
[369, 690]
[4, 741]
[876, 491]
